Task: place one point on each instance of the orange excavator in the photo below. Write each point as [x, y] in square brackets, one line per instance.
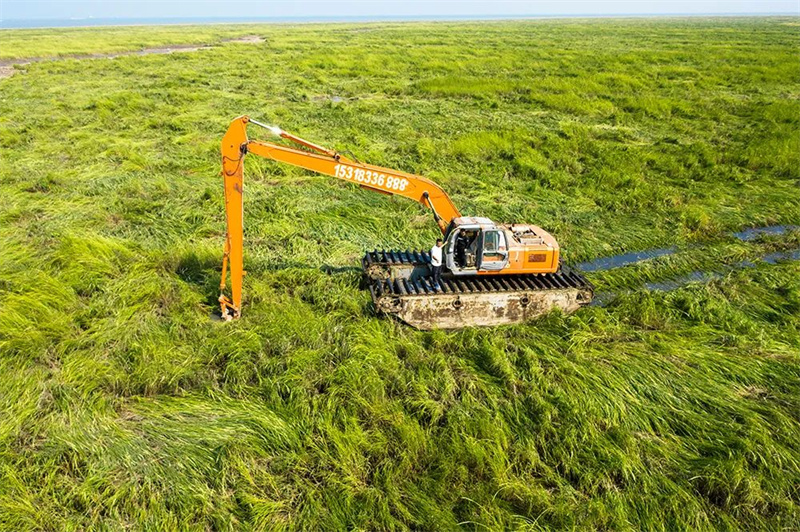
[495, 273]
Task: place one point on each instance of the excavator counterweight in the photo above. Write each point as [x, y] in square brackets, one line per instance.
[495, 273]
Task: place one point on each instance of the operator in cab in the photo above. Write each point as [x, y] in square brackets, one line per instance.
[464, 242]
[436, 263]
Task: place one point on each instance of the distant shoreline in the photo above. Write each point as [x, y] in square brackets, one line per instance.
[35, 24]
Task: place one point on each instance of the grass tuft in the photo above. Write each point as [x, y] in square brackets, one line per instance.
[124, 405]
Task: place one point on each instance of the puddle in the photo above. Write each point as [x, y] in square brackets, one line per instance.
[633, 257]
[694, 277]
[781, 256]
[617, 261]
[754, 232]
[601, 299]
[704, 277]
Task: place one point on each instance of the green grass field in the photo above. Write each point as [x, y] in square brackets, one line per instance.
[123, 406]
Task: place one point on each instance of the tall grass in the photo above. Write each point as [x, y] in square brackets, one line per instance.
[123, 405]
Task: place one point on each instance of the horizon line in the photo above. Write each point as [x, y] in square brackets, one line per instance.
[213, 20]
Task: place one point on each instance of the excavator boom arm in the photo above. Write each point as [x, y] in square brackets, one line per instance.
[369, 176]
[235, 145]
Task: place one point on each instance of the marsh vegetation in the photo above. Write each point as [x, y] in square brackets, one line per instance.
[122, 405]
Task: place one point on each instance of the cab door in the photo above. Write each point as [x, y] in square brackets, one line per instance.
[493, 251]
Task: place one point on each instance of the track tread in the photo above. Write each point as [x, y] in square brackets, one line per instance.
[565, 279]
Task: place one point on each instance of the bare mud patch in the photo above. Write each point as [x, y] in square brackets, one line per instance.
[248, 39]
[333, 98]
[6, 71]
[7, 66]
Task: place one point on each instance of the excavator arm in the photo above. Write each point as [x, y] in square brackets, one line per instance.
[235, 145]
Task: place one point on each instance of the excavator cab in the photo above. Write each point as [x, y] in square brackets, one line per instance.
[475, 245]
[493, 253]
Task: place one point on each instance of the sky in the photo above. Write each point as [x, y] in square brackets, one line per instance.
[182, 9]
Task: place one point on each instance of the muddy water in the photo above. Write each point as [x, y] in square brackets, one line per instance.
[633, 257]
[603, 298]
[755, 232]
[617, 261]
[704, 277]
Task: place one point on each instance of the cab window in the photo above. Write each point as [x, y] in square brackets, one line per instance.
[494, 245]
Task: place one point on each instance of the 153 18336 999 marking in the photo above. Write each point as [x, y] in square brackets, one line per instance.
[369, 177]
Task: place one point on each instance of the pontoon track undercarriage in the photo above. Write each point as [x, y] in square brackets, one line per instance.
[400, 285]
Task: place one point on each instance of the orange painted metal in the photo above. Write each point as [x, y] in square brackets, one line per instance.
[235, 145]
[523, 258]
[530, 258]
[368, 176]
[232, 175]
